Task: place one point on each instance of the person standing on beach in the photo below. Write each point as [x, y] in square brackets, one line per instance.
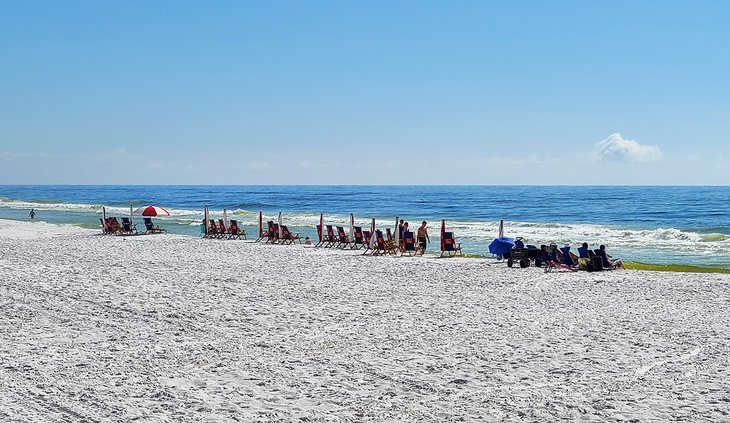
[32, 214]
[422, 236]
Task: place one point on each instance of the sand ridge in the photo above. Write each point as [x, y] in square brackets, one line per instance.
[173, 328]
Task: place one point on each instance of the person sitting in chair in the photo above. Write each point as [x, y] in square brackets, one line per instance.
[584, 252]
[608, 261]
[566, 257]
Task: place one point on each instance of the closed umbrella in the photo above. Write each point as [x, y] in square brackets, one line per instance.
[225, 217]
[320, 230]
[373, 238]
[205, 220]
[261, 224]
[443, 231]
[281, 231]
[397, 234]
[352, 227]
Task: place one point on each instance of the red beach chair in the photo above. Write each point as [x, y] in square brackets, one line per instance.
[359, 241]
[366, 242]
[235, 232]
[287, 237]
[449, 247]
[343, 241]
[409, 244]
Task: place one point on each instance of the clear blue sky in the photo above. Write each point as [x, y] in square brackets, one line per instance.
[235, 92]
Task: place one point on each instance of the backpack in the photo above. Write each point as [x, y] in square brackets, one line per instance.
[596, 264]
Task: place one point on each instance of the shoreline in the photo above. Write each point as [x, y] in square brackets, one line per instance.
[629, 265]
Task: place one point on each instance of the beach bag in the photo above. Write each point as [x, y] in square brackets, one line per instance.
[596, 263]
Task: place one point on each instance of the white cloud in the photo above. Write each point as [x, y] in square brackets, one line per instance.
[259, 166]
[616, 148]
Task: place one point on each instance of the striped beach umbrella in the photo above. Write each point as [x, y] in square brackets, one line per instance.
[151, 211]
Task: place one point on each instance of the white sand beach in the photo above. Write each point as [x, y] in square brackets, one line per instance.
[168, 328]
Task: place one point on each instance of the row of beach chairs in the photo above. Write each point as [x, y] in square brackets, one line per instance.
[384, 244]
[111, 226]
[221, 231]
[271, 235]
[329, 238]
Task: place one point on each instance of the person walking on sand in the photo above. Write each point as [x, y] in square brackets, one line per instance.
[32, 214]
[422, 237]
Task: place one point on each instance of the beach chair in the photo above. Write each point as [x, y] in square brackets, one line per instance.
[359, 241]
[449, 246]
[606, 262]
[106, 227]
[287, 237]
[567, 256]
[343, 241]
[379, 243]
[409, 244]
[585, 252]
[222, 229]
[116, 228]
[213, 231]
[273, 233]
[330, 240]
[150, 228]
[388, 244]
[128, 228]
[366, 242]
[553, 262]
[235, 232]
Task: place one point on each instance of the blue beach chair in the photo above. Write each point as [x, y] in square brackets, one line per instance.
[567, 259]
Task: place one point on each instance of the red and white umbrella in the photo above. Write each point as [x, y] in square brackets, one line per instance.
[151, 211]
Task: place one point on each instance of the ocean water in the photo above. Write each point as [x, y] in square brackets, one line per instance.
[659, 225]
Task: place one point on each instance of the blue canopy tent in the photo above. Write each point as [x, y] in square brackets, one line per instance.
[501, 245]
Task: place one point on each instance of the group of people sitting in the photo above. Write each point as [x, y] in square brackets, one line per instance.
[586, 259]
[111, 226]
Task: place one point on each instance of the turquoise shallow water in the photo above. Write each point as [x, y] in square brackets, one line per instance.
[663, 225]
